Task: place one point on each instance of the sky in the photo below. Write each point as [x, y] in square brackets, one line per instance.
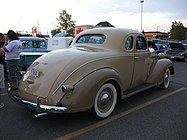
[22, 15]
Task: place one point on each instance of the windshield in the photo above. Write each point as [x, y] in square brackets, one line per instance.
[91, 38]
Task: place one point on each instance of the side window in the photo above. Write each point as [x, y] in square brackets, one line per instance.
[43, 44]
[129, 43]
[39, 44]
[25, 44]
[35, 44]
[141, 43]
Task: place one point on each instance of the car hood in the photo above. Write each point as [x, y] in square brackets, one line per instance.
[55, 67]
[176, 47]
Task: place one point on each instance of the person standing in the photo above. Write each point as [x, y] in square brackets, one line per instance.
[2, 84]
[12, 58]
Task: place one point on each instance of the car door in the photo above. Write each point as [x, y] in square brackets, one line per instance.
[128, 61]
[141, 54]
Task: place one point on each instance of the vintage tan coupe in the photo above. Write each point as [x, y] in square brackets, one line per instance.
[102, 66]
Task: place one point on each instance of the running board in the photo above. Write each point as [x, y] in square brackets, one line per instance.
[137, 90]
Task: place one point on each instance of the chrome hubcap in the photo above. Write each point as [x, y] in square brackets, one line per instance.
[105, 99]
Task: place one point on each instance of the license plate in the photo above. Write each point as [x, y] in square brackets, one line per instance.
[34, 72]
[172, 57]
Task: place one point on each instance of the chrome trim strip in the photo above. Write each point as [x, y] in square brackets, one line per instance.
[32, 53]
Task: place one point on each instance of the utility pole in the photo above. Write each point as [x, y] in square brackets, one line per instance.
[141, 2]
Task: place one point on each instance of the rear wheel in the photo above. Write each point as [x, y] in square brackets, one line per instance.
[166, 79]
[105, 100]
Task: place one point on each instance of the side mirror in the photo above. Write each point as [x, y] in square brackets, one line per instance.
[161, 55]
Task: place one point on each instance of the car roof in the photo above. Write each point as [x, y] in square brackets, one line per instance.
[108, 30]
[114, 36]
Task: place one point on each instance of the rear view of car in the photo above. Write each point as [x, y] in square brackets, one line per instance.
[101, 67]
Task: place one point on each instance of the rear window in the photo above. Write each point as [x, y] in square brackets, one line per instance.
[91, 38]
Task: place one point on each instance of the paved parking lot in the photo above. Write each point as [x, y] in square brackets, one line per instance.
[153, 114]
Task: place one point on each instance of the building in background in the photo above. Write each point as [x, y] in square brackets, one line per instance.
[104, 24]
[81, 28]
[157, 34]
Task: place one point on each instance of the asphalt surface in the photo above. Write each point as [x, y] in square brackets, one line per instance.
[151, 115]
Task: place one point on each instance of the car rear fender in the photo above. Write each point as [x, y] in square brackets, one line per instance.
[84, 92]
[159, 70]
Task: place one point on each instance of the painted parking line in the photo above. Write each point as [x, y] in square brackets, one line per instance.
[115, 117]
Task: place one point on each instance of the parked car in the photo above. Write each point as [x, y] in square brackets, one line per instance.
[177, 51]
[155, 40]
[185, 46]
[152, 45]
[184, 43]
[56, 43]
[102, 66]
[32, 48]
[163, 46]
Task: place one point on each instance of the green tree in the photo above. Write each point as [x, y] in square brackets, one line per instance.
[178, 31]
[54, 31]
[66, 23]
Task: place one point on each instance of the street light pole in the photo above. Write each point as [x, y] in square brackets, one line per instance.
[157, 31]
[157, 28]
[141, 1]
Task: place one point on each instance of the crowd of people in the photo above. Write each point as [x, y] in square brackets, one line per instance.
[10, 49]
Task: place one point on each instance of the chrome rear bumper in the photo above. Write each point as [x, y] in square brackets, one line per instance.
[37, 106]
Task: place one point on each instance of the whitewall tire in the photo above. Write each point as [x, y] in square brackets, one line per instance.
[105, 100]
[166, 79]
